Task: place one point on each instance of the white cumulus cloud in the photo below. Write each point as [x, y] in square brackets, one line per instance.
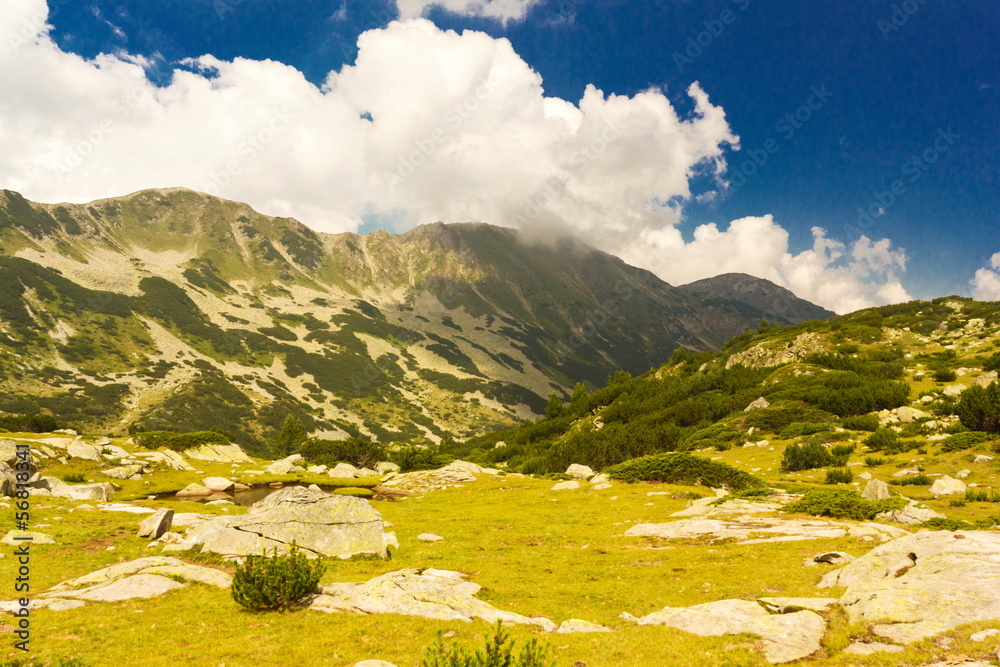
[986, 283]
[501, 10]
[425, 125]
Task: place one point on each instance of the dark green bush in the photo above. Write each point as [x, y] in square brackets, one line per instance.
[73, 478]
[883, 439]
[498, 651]
[359, 452]
[945, 375]
[839, 476]
[843, 504]
[805, 457]
[421, 458]
[992, 363]
[916, 480]
[28, 423]
[679, 468]
[179, 441]
[861, 423]
[979, 408]
[965, 440]
[276, 582]
[875, 461]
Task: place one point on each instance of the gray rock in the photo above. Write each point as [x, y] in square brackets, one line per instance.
[923, 584]
[219, 484]
[982, 458]
[954, 390]
[906, 472]
[101, 492]
[580, 471]
[125, 472]
[429, 537]
[911, 515]
[962, 474]
[320, 523]
[367, 472]
[749, 530]
[218, 453]
[786, 637]
[78, 449]
[947, 486]
[600, 478]
[136, 586]
[564, 486]
[156, 525]
[575, 625]
[985, 634]
[861, 648]
[194, 490]
[876, 489]
[758, 404]
[864, 475]
[16, 537]
[317, 470]
[436, 594]
[383, 467]
[343, 470]
[600, 486]
[282, 467]
[907, 414]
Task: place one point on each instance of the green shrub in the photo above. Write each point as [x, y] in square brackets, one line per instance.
[875, 461]
[498, 651]
[883, 439]
[916, 480]
[797, 429]
[359, 452]
[861, 423]
[965, 440]
[28, 423]
[73, 478]
[275, 582]
[679, 468]
[179, 441]
[421, 458]
[805, 457]
[839, 476]
[843, 504]
[979, 408]
[945, 375]
[992, 363]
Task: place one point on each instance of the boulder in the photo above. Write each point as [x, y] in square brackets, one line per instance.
[962, 474]
[833, 558]
[219, 484]
[367, 472]
[906, 472]
[911, 515]
[876, 489]
[864, 475]
[600, 478]
[424, 480]
[923, 584]
[383, 467]
[194, 490]
[758, 404]
[218, 453]
[436, 594]
[101, 492]
[564, 486]
[21, 537]
[985, 634]
[947, 486]
[156, 525]
[574, 625]
[78, 449]
[429, 537]
[907, 414]
[320, 523]
[785, 637]
[133, 471]
[343, 470]
[281, 467]
[136, 586]
[982, 458]
[753, 530]
[317, 470]
[580, 471]
[954, 390]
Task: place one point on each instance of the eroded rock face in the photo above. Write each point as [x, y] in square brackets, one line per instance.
[454, 474]
[318, 522]
[437, 594]
[786, 637]
[923, 584]
[914, 513]
[218, 453]
[747, 530]
[101, 492]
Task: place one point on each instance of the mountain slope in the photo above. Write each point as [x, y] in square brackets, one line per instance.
[780, 304]
[174, 309]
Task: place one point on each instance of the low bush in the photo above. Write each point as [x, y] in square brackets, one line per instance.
[359, 452]
[885, 440]
[839, 476]
[276, 582]
[179, 441]
[861, 423]
[73, 478]
[498, 651]
[421, 458]
[679, 468]
[875, 461]
[965, 440]
[945, 375]
[843, 504]
[979, 408]
[28, 423]
[916, 480]
[805, 457]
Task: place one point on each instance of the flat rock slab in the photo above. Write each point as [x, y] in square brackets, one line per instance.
[218, 453]
[136, 586]
[705, 507]
[785, 637]
[438, 594]
[748, 530]
[102, 491]
[318, 522]
[575, 625]
[16, 537]
[792, 605]
[923, 584]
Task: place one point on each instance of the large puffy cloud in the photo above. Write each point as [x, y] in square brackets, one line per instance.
[986, 283]
[426, 125]
[502, 10]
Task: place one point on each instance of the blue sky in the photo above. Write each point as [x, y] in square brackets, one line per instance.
[875, 84]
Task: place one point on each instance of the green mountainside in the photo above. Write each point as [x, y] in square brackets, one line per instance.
[906, 367]
[170, 309]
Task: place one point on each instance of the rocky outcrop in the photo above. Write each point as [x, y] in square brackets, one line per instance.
[785, 637]
[437, 594]
[101, 492]
[749, 530]
[156, 525]
[923, 584]
[319, 523]
[453, 475]
[133, 471]
[218, 453]
[913, 514]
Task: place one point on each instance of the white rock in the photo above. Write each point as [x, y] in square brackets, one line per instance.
[564, 486]
[383, 467]
[947, 486]
[864, 475]
[576, 625]
[344, 471]
[429, 537]
[962, 474]
[982, 458]
[758, 404]
[580, 471]
[906, 472]
[317, 470]
[156, 525]
[980, 636]
[374, 663]
[753, 530]
[600, 478]
[601, 486]
[193, 490]
[102, 491]
[876, 489]
[16, 537]
[81, 450]
[913, 514]
[218, 484]
[954, 390]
